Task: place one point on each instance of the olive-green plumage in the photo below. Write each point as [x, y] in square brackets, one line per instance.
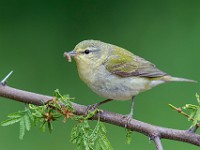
[126, 64]
[115, 73]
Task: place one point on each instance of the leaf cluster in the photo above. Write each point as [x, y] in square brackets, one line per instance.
[24, 119]
[191, 111]
[84, 137]
[82, 134]
[194, 111]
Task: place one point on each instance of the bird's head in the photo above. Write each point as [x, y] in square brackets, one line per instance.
[89, 52]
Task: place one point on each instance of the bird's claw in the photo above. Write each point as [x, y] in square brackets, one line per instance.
[92, 110]
[91, 107]
[127, 119]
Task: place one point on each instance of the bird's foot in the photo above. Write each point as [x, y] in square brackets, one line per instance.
[95, 106]
[92, 107]
[92, 110]
[127, 119]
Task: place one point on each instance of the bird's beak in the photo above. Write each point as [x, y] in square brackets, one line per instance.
[70, 54]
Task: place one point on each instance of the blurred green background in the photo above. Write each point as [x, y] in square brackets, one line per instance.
[34, 34]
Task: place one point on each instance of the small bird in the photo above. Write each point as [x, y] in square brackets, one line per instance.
[115, 73]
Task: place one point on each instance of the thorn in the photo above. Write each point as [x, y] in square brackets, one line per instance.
[3, 82]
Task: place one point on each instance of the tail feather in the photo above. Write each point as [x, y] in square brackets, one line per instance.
[170, 78]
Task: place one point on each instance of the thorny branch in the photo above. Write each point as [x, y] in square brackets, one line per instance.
[154, 132]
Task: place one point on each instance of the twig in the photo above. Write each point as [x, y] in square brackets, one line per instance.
[105, 116]
[158, 143]
[179, 110]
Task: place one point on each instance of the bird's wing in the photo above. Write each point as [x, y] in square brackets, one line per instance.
[125, 64]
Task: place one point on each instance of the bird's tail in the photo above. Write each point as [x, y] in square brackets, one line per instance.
[170, 78]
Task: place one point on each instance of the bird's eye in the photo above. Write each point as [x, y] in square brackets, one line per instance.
[87, 51]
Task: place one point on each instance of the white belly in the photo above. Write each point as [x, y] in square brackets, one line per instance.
[112, 86]
[119, 88]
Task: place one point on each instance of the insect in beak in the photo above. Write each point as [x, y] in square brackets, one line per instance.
[70, 54]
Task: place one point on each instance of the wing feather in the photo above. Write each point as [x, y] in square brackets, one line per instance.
[126, 64]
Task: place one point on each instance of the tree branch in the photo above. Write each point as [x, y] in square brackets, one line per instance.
[158, 143]
[108, 117]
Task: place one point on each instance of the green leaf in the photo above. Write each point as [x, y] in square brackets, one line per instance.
[37, 115]
[128, 136]
[103, 143]
[23, 117]
[198, 99]
[196, 117]
[65, 99]
[102, 127]
[43, 127]
[27, 122]
[74, 134]
[36, 121]
[32, 107]
[21, 129]
[57, 93]
[192, 114]
[94, 134]
[80, 136]
[16, 114]
[50, 127]
[190, 106]
[10, 121]
[30, 115]
[57, 115]
[86, 138]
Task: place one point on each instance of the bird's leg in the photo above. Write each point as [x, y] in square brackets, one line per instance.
[94, 106]
[132, 107]
[130, 115]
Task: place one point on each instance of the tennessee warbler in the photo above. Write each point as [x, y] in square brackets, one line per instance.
[115, 73]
